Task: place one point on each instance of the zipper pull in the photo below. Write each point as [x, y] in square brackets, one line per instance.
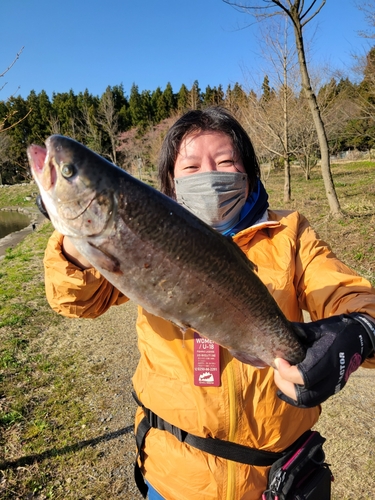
[277, 483]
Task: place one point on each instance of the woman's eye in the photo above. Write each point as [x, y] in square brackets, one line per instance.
[68, 170]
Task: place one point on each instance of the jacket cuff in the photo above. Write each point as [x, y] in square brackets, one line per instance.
[369, 326]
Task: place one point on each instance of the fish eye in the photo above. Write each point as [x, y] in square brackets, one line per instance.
[68, 170]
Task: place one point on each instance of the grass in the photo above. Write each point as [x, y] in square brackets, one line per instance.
[37, 392]
[352, 237]
[20, 195]
[48, 388]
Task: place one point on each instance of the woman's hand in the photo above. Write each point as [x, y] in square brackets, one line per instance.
[286, 376]
[72, 255]
[336, 347]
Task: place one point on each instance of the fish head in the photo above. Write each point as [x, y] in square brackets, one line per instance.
[69, 178]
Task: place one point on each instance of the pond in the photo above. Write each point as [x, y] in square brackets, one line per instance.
[11, 222]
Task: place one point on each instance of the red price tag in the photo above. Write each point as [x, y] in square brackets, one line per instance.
[206, 362]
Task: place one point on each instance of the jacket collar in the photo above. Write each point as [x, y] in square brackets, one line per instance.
[243, 237]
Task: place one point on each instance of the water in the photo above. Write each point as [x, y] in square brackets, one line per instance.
[11, 222]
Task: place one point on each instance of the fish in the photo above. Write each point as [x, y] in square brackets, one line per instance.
[160, 255]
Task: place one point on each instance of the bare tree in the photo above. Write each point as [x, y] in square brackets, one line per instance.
[274, 113]
[305, 141]
[274, 120]
[54, 124]
[108, 119]
[368, 8]
[90, 130]
[365, 67]
[300, 15]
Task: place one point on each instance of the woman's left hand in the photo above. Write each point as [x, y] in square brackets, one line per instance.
[336, 347]
[286, 377]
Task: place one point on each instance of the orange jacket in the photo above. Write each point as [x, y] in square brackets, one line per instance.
[302, 273]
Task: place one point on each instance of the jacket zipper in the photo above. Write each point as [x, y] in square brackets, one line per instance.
[231, 466]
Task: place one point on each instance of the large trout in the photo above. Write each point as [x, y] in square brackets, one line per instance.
[160, 255]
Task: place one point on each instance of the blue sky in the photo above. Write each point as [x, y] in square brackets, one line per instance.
[76, 44]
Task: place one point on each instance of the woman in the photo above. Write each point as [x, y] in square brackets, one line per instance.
[208, 164]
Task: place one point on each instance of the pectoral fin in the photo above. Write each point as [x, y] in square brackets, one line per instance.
[104, 259]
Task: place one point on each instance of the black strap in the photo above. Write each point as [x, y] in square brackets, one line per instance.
[142, 429]
[233, 451]
[224, 449]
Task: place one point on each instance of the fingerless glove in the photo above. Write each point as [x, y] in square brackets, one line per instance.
[336, 347]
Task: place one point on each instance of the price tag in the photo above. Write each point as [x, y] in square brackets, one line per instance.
[206, 362]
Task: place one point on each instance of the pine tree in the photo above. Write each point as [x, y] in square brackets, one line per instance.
[183, 99]
[169, 99]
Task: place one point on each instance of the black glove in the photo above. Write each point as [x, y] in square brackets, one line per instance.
[40, 205]
[336, 347]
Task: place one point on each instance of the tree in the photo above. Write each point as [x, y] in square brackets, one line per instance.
[64, 105]
[19, 133]
[235, 99]
[273, 117]
[304, 141]
[169, 99]
[135, 105]
[267, 92]
[183, 99]
[361, 123]
[213, 96]
[369, 10]
[300, 15]
[38, 119]
[108, 120]
[4, 155]
[195, 97]
[159, 106]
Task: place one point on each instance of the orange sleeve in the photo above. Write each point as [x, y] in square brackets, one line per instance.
[74, 292]
[328, 287]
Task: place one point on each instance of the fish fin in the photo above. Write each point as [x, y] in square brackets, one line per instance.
[248, 359]
[105, 260]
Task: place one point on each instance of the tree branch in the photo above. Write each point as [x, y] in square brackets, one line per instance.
[14, 124]
[314, 14]
[13, 63]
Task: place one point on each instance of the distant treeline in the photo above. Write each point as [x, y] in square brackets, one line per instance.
[128, 129]
[92, 120]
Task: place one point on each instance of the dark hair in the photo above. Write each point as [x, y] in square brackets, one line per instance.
[213, 118]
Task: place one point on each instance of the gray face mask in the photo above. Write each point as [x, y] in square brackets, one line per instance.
[215, 197]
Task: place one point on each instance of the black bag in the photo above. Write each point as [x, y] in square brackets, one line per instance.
[301, 474]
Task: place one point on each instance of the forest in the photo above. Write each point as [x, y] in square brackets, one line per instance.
[128, 129]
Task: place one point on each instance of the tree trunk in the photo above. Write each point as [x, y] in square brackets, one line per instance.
[322, 137]
[287, 189]
[287, 186]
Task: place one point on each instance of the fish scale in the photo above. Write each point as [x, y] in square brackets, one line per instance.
[159, 254]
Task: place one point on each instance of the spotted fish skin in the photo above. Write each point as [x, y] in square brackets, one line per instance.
[160, 255]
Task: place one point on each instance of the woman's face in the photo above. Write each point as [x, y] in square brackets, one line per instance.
[207, 151]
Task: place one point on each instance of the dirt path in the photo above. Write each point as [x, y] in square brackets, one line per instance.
[108, 347]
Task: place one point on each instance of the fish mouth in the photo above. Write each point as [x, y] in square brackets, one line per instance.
[44, 171]
[83, 207]
[42, 167]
